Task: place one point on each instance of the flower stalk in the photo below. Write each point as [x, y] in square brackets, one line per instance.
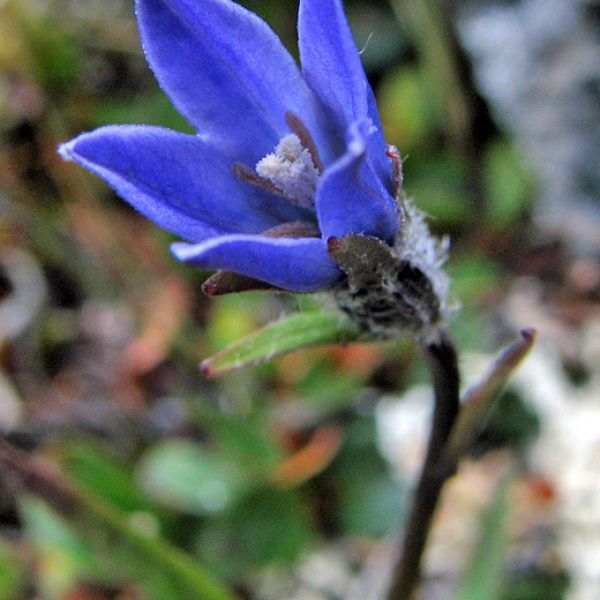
[443, 363]
[456, 424]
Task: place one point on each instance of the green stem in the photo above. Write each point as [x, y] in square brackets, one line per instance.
[444, 370]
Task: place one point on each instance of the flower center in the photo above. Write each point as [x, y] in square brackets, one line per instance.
[292, 170]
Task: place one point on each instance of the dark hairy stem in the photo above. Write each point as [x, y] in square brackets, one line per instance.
[444, 371]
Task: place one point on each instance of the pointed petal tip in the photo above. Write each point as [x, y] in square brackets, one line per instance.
[75, 149]
[529, 334]
[205, 369]
[181, 251]
[69, 151]
[65, 150]
[210, 288]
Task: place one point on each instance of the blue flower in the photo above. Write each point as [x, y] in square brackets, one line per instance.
[283, 160]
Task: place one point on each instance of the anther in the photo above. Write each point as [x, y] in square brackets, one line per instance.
[291, 169]
[397, 174]
[299, 128]
[294, 229]
[248, 175]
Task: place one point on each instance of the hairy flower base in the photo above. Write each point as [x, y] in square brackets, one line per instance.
[392, 291]
[396, 300]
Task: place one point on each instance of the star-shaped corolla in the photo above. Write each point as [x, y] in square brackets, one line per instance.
[283, 160]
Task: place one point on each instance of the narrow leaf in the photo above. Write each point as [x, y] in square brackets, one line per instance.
[162, 570]
[301, 330]
[479, 401]
[12, 573]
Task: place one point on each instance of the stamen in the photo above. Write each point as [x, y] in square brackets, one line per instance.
[292, 170]
[247, 175]
[397, 181]
[294, 229]
[299, 128]
[397, 173]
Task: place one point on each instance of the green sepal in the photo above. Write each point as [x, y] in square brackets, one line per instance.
[298, 331]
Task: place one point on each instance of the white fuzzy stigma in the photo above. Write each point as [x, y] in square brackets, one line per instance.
[292, 170]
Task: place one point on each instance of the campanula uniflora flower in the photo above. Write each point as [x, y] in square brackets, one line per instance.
[288, 175]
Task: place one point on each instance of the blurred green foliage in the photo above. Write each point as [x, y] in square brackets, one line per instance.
[12, 574]
[374, 506]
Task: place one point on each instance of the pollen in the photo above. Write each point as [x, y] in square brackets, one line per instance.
[291, 169]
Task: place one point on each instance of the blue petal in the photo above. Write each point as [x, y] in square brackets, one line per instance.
[330, 61]
[227, 73]
[178, 181]
[298, 265]
[351, 197]
[333, 69]
[377, 151]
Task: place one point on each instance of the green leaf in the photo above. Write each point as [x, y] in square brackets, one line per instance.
[92, 466]
[406, 109]
[370, 499]
[298, 331]
[507, 186]
[132, 550]
[479, 400]
[485, 576]
[63, 558]
[473, 275]
[266, 526]
[190, 478]
[436, 181]
[12, 573]
[162, 570]
[248, 442]
[233, 317]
